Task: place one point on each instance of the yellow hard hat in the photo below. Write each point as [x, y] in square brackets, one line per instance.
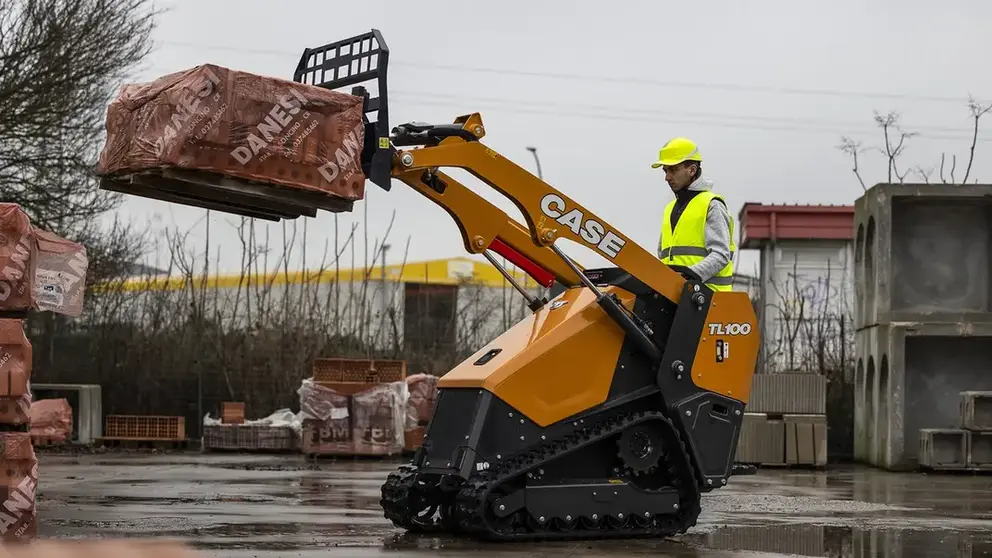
[676, 151]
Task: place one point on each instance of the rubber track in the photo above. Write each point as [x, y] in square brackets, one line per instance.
[399, 488]
[472, 500]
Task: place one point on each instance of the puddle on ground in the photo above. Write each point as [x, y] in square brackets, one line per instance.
[238, 506]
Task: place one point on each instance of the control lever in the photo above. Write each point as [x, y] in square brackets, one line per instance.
[630, 323]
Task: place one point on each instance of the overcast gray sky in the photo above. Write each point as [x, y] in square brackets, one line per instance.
[766, 88]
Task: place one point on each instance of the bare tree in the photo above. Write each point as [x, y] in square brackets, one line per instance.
[61, 62]
[812, 330]
[853, 148]
[894, 145]
[182, 343]
[977, 112]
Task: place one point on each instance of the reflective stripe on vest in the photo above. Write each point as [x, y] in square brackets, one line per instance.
[686, 245]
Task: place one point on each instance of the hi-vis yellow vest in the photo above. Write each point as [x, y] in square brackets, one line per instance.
[686, 245]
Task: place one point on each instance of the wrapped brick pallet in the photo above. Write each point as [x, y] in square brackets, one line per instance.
[419, 408]
[18, 259]
[39, 270]
[60, 274]
[223, 139]
[379, 419]
[326, 421]
[369, 420]
[20, 475]
[51, 420]
[15, 374]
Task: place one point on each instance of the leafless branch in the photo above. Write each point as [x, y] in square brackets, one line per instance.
[853, 148]
[61, 62]
[977, 111]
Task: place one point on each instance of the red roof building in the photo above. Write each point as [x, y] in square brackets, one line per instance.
[761, 223]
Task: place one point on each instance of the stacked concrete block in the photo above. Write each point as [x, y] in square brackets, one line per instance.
[806, 440]
[804, 394]
[943, 448]
[786, 421]
[923, 313]
[973, 432]
[761, 441]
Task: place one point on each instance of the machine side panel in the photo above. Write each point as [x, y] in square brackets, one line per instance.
[568, 369]
[450, 426]
[558, 362]
[728, 350]
[711, 421]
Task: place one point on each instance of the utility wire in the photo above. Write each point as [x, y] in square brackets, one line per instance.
[612, 113]
[854, 131]
[399, 64]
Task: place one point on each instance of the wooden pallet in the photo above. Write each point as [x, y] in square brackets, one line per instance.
[250, 439]
[212, 190]
[47, 441]
[142, 443]
[356, 457]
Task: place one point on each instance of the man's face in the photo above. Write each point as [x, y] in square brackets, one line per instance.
[679, 176]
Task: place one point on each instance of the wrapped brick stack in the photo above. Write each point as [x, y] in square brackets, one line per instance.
[19, 474]
[18, 464]
[39, 271]
[51, 421]
[419, 408]
[354, 407]
[377, 426]
[326, 424]
[219, 138]
[232, 412]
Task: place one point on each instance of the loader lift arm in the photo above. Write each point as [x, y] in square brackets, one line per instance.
[414, 152]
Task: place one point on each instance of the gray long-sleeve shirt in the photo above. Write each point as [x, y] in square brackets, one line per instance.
[717, 234]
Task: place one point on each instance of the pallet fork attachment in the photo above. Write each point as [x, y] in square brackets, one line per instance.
[622, 384]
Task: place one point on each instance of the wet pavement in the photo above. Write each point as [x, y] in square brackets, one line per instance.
[259, 506]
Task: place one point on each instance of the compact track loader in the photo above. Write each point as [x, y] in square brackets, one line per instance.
[608, 410]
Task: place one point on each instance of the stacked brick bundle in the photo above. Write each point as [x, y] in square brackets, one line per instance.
[39, 271]
[278, 432]
[354, 407]
[419, 408]
[51, 421]
[18, 464]
[232, 412]
[326, 424]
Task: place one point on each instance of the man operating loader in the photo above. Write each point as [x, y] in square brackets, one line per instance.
[697, 233]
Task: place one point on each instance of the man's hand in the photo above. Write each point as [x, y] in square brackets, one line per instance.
[690, 274]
